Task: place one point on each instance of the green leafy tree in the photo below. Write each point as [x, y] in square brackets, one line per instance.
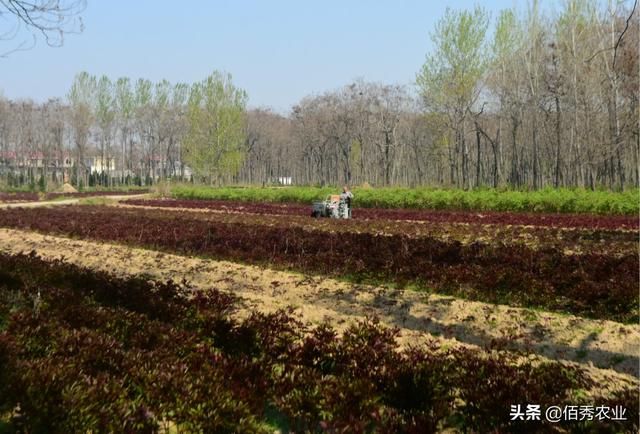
[504, 83]
[450, 78]
[213, 146]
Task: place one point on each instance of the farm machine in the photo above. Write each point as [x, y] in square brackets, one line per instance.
[334, 206]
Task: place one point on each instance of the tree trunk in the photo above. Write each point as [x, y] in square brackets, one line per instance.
[534, 138]
[556, 177]
[477, 157]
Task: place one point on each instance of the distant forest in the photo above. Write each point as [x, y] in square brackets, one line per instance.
[525, 99]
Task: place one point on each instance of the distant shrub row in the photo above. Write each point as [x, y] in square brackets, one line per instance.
[547, 200]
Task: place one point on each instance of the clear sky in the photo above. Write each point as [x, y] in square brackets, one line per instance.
[278, 51]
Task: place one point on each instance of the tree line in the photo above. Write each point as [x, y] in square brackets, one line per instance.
[524, 99]
[125, 132]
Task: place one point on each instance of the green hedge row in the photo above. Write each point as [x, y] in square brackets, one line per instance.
[546, 200]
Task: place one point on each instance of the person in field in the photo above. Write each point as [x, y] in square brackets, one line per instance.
[347, 197]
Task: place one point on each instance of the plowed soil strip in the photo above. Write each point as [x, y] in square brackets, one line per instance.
[606, 349]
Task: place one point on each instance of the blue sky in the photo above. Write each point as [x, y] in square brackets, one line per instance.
[278, 51]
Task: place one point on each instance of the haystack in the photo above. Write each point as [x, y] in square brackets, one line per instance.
[68, 188]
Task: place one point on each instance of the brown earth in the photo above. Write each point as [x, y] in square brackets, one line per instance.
[607, 350]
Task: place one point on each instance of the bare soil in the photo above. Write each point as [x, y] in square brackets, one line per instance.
[607, 350]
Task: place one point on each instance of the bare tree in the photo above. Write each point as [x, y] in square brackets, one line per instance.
[51, 19]
[82, 102]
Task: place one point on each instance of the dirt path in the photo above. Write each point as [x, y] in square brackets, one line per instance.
[71, 201]
[608, 350]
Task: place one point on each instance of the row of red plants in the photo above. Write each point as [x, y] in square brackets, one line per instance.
[84, 351]
[591, 285]
[18, 197]
[605, 241]
[485, 217]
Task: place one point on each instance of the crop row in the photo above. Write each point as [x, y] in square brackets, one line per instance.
[550, 200]
[83, 351]
[592, 285]
[575, 240]
[18, 197]
[486, 217]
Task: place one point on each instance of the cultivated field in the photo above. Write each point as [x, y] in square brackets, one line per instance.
[184, 315]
